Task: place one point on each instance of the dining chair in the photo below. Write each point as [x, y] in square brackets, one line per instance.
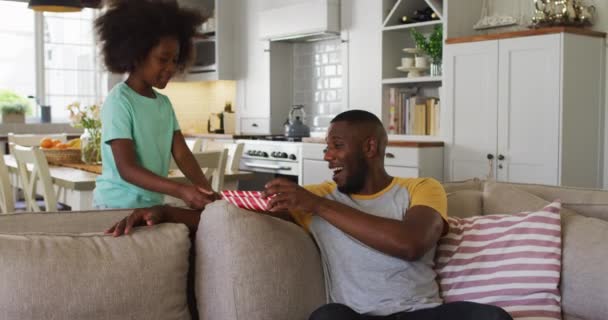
[7, 204]
[214, 165]
[235, 151]
[33, 140]
[33, 156]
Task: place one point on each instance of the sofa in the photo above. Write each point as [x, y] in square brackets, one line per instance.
[246, 265]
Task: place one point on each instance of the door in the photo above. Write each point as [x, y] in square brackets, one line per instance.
[472, 92]
[529, 109]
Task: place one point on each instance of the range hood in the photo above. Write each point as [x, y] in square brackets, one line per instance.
[307, 20]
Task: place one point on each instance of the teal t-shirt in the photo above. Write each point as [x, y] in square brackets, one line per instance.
[150, 123]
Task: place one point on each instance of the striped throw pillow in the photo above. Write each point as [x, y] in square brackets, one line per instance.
[510, 261]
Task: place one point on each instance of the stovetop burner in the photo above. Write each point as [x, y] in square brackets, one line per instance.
[276, 137]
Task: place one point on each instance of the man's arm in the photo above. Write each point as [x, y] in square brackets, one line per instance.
[407, 239]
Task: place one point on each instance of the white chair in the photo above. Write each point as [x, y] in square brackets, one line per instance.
[214, 165]
[235, 151]
[33, 140]
[7, 204]
[34, 157]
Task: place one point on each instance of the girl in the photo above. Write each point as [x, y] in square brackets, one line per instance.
[151, 42]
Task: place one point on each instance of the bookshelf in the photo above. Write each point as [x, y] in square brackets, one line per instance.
[395, 37]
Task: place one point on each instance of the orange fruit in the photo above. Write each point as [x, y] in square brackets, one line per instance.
[46, 143]
[56, 142]
[61, 146]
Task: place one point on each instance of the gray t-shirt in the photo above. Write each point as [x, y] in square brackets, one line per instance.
[365, 279]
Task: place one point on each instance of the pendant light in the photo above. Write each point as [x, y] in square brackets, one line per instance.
[55, 5]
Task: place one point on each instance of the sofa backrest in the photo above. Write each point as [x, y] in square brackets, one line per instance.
[584, 212]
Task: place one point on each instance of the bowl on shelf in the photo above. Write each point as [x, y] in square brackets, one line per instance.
[413, 72]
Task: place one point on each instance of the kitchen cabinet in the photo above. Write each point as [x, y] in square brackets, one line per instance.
[527, 108]
[406, 162]
[362, 47]
[265, 82]
[218, 38]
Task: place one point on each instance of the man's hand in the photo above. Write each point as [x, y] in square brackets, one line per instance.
[290, 196]
[196, 197]
[139, 217]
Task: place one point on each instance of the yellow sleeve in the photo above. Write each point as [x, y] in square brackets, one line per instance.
[427, 192]
[304, 218]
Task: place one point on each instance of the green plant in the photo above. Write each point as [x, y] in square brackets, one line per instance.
[433, 46]
[11, 102]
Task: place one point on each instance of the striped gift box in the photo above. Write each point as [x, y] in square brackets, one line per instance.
[510, 261]
[250, 200]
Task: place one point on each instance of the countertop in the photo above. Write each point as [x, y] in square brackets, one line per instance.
[208, 135]
[391, 143]
[527, 33]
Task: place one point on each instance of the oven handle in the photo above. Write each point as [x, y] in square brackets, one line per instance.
[265, 166]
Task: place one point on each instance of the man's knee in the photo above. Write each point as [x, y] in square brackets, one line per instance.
[334, 311]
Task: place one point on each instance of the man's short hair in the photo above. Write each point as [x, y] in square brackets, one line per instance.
[357, 116]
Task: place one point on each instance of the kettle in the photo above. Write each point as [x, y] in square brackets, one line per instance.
[294, 126]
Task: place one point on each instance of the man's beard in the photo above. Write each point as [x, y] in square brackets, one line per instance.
[356, 179]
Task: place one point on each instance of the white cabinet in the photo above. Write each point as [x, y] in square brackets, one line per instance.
[218, 40]
[406, 162]
[361, 24]
[527, 109]
[265, 77]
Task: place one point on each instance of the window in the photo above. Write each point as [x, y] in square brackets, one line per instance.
[68, 69]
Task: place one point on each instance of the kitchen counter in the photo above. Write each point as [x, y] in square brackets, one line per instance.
[391, 143]
[208, 135]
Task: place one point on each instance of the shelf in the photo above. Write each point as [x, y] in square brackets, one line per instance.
[413, 25]
[408, 137]
[412, 80]
[399, 8]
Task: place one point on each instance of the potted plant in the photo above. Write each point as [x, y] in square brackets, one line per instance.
[432, 46]
[13, 107]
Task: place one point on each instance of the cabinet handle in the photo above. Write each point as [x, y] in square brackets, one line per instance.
[490, 156]
[500, 166]
[390, 155]
[255, 125]
[501, 157]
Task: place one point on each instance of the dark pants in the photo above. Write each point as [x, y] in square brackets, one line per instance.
[462, 310]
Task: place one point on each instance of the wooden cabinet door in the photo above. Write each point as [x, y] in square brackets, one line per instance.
[529, 104]
[471, 80]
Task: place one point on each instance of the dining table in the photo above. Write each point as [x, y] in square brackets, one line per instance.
[74, 183]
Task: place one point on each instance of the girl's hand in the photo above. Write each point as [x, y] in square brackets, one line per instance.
[139, 217]
[196, 197]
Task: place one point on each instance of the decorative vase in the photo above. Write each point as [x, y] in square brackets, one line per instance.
[436, 69]
[90, 146]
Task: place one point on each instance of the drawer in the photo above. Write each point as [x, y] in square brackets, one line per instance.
[255, 126]
[313, 150]
[403, 157]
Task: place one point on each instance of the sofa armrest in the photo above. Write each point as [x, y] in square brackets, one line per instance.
[253, 266]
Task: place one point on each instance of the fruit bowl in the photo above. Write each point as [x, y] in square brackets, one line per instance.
[60, 156]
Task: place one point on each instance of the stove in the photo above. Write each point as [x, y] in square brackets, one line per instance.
[274, 137]
[271, 159]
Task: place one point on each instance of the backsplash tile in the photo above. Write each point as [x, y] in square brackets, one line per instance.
[318, 81]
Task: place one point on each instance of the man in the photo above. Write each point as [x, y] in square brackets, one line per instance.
[377, 234]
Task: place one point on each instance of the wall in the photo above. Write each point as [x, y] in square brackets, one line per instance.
[317, 81]
[194, 101]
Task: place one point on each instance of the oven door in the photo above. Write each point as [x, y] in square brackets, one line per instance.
[266, 170]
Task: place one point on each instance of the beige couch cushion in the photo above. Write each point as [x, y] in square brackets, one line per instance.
[584, 285]
[464, 203]
[255, 267]
[65, 221]
[94, 276]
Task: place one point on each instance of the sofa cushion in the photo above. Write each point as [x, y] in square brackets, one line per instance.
[253, 266]
[95, 276]
[511, 261]
[464, 203]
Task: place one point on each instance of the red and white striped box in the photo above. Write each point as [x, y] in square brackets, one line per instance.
[250, 200]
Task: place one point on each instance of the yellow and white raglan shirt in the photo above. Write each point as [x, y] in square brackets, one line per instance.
[363, 278]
